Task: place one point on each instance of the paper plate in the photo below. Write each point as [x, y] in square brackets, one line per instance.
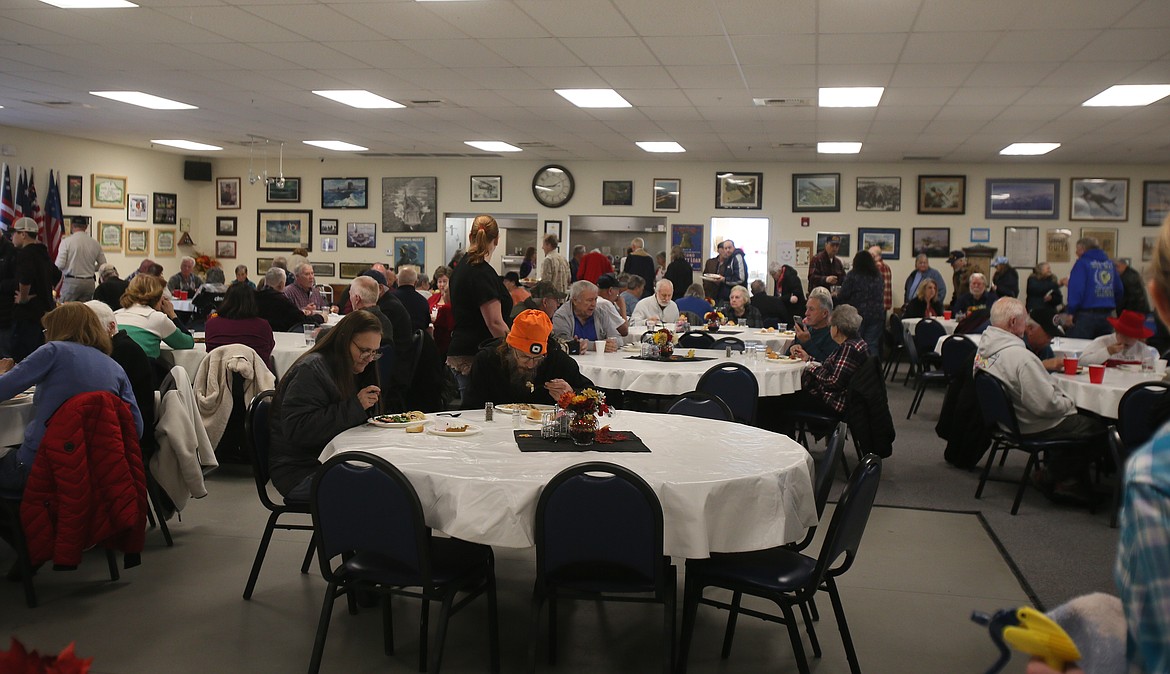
[472, 429]
[373, 421]
[524, 407]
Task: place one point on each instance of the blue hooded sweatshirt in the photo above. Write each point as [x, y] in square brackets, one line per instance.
[1094, 283]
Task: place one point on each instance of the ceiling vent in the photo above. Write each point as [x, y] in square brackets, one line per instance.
[426, 155]
[783, 102]
[911, 157]
[56, 104]
[428, 103]
[794, 146]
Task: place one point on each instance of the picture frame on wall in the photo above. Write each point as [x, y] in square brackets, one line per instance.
[165, 208]
[1155, 202]
[879, 194]
[1148, 243]
[225, 249]
[1100, 199]
[1105, 236]
[74, 191]
[137, 207]
[691, 239]
[410, 250]
[263, 264]
[361, 235]
[942, 195]
[1021, 246]
[889, 239]
[137, 241]
[351, 270]
[107, 191]
[110, 236]
[739, 190]
[845, 251]
[552, 227]
[284, 230]
[226, 225]
[329, 244]
[617, 193]
[1058, 245]
[410, 204]
[487, 188]
[327, 226]
[933, 241]
[286, 190]
[816, 192]
[227, 194]
[667, 195]
[345, 192]
[324, 269]
[1022, 199]
[980, 235]
[164, 242]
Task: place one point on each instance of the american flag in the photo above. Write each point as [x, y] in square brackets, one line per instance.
[32, 209]
[7, 213]
[54, 224]
[21, 196]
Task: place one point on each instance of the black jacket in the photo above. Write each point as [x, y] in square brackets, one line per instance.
[280, 312]
[642, 264]
[7, 280]
[867, 410]
[490, 381]
[1007, 283]
[1038, 288]
[960, 422]
[679, 273]
[35, 269]
[1135, 292]
[772, 310]
[110, 292]
[787, 287]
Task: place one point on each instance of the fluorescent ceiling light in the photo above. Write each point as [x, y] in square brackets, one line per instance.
[660, 146]
[1029, 149]
[187, 144]
[492, 145]
[90, 4]
[850, 97]
[594, 98]
[839, 148]
[1120, 95]
[339, 145]
[144, 100]
[359, 98]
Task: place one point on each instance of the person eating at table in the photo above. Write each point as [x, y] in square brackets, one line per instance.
[813, 339]
[658, 308]
[1127, 344]
[926, 304]
[279, 310]
[580, 318]
[739, 310]
[824, 384]
[237, 321]
[974, 306]
[524, 367]
[331, 388]
[1042, 327]
[609, 300]
[303, 292]
[543, 296]
[149, 318]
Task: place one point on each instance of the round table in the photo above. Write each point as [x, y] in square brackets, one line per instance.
[289, 346]
[777, 341]
[1061, 346]
[15, 415]
[949, 324]
[1103, 398]
[620, 371]
[724, 487]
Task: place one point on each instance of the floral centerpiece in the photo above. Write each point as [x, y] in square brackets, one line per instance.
[663, 339]
[19, 661]
[203, 262]
[714, 319]
[583, 408]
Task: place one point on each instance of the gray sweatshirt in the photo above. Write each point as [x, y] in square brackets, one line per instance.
[1039, 404]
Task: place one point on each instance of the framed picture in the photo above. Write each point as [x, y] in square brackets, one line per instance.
[1155, 202]
[942, 195]
[137, 241]
[552, 227]
[410, 204]
[980, 235]
[361, 235]
[225, 248]
[110, 236]
[879, 194]
[289, 191]
[165, 208]
[845, 251]
[226, 225]
[487, 188]
[690, 239]
[1148, 243]
[74, 189]
[344, 192]
[934, 241]
[327, 226]
[329, 244]
[1021, 245]
[410, 250]
[617, 193]
[1107, 238]
[108, 191]
[263, 264]
[1058, 245]
[227, 193]
[816, 192]
[284, 230]
[1099, 199]
[137, 206]
[667, 195]
[1022, 199]
[353, 269]
[888, 239]
[164, 242]
[324, 269]
[739, 190]
[184, 225]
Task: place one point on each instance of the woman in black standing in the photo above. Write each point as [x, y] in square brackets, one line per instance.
[479, 300]
[864, 290]
[679, 272]
[1043, 288]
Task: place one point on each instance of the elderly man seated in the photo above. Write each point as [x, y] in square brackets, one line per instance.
[813, 339]
[277, 309]
[609, 300]
[544, 297]
[1127, 344]
[659, 307]
[1043, 325]
[303, 292]
[974, 306]
[524, 367]
[580, 317]
[824, 384]
[186, 280]
[1042, 409]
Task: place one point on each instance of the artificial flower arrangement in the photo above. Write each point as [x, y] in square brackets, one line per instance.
[714, 319]
[663, 340]
[583, 408]
[203, 262]
[19, 661]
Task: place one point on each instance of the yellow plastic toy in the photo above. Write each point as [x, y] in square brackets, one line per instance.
[1030, 631]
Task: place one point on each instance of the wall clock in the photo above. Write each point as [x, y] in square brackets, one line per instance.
[553, 186]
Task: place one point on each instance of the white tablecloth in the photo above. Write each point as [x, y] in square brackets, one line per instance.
[15, 415]
[724, 487]
[1103, 398]
[289, 347]
[949, 324]
[619, 371]
[1061, 346]
[777, 341]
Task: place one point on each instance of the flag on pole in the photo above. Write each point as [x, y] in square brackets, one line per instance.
[7, 212]
[21, 195]
[54, 224]
[33, 208]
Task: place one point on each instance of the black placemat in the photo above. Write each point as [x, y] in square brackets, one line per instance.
[530, 441]
[673, 359]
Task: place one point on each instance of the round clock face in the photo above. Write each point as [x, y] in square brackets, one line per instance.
[553, 186]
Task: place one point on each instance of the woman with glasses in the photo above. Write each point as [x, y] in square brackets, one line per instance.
[331, 388]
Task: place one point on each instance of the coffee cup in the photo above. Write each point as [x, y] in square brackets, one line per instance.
[1096, 374]
[599, 346]
[1070, 365]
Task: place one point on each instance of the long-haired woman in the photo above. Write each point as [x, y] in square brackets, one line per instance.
[149, 318]
[864, 290]
[478, 298]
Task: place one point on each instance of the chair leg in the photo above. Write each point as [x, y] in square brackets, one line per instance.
[322, 628]
[387, 625]
[808, 628]
[1031, 465]
[668, 640]
[552, 628]
[441, 631]
[1118, 486]
[987, 468]
[691, 595]
[260, 552]
[794, 636]
[534, 631]
[309, 554]
[493, 621]
[152, 492]
[112, 562]
[812, 608]
[423, 632]
[729, 631]
[843, 626]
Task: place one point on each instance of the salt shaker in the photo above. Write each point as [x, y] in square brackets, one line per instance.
[515, 417]
[488, 409]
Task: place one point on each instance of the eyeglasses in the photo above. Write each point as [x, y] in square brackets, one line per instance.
[368, 354]
[525, 358]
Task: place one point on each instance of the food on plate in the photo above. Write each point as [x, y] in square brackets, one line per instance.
[416, 428]
[769, 330]
[456, 429]
[534, 414]
[404, 418]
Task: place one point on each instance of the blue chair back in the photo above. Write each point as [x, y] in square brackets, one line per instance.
[926, 335]
[701, 405]
[258, 442]
[1135, 418]
[362, 503]
[911, 349]
[735, 343]
[735, 385]
[696, 340]
[849, 519]
[826, 467]
[996, 405]
[587, 523]
[386, 365]
[956, 350]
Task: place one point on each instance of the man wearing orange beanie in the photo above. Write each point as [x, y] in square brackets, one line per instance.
[523, 367]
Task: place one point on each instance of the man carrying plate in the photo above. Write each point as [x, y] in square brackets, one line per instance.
[523, 367]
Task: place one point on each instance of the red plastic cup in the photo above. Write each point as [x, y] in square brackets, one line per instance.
[947, 315]
[1096, 374]
[1070, 365]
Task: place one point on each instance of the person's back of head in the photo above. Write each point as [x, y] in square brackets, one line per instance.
[365, 289]
[215, 276]
[757, 287]
[407, 276]
[106, 272]
[695, 290]
[274, 278]
[155, 269]
[145, 289]
[1005, 310]
[77, 323]
[864, 264]
[239, 302]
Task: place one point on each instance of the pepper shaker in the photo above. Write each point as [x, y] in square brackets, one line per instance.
[488, 409]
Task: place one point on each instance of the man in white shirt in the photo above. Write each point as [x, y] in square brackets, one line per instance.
[78, 259]
[659, 306]
[1127, 343]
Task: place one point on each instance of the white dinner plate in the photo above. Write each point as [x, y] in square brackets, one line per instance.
[472, 429]
[524, 407]
[713, 277]
[783, 360]
[396, 424]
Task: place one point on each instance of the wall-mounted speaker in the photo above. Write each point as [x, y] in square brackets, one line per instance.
[197, 170]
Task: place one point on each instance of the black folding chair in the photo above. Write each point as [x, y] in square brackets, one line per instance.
[735, 385]
[734, 343]
[702, 405]
[1135, 426]
[696, 340]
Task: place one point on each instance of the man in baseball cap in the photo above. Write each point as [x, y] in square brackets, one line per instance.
[544, 297]
[959, 282]
[36, 275]
[1041, 328]
[523, 367]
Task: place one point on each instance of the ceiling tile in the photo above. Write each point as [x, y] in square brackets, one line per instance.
[684, 17]
[536, 52]
[401, 20]
[232, 23]
[566, 78]
[928, 75]
[378, 53]
[963, 15]
[706, 77]
[611, 51]
[1040, 45]
[309, 54]
[766, 81]
[489, 19]
[768, 17]
[465, 53]
[857, 75]
[853, 49]
[1009, 74]
[879, 16]
[642, 77]
[948, 47]
[1127, 45]
[1063, 14]
[775, 50]
[1000, 96]
[1147, 14]
[700, 50]
[578, 18]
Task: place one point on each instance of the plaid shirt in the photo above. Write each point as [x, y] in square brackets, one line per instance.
[829, 381]
[888, 295]
[1143, 556]
[302, 298]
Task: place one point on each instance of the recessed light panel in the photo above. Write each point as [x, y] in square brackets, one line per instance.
[187, 144]
[660, 146]
[144, 100]
[850, 97]
[492, 146]
[359, 98]
[839, 148]
[90, 4]
[594, 98]
[1029, 149]
[1124, 95]
[338, 145]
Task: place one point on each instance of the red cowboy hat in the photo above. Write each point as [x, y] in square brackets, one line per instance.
[1131, 324]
